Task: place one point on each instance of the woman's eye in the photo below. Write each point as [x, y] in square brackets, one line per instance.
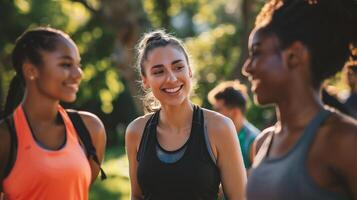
[179, 67]
[158, 72]
[66, 65]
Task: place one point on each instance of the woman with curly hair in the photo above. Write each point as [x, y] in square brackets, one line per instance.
[310, 152]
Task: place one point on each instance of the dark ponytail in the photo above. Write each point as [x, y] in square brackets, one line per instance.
[14, 95]
[28, 48]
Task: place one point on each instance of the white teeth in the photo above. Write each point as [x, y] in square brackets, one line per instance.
[172, 90]
[74, 86]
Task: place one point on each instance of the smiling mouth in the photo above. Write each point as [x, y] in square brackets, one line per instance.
[172, 90]
[73, 86]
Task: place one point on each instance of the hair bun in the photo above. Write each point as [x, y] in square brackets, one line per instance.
[155, 37]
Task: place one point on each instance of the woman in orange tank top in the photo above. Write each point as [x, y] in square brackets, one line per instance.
[48, 161]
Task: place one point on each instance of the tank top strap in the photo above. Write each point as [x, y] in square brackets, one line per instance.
[199, 144]
[148, 135]
[263, 151]
[22, 128]
[198, 118]
[71, 132]
[310, 132]
[24, 131]
[197, 124]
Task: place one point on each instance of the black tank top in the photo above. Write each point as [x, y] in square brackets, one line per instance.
[193, 177]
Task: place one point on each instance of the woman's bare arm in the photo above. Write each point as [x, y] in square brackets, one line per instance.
[223, 138]
[133, 136]
[99, 138]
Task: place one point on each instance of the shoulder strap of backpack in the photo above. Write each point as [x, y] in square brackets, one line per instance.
[84, 135]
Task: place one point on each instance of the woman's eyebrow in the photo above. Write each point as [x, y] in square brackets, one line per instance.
[161, 65]
[176, 61]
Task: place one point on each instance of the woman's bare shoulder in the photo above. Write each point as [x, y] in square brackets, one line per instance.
[135, 130]
[339, 129]
[138, 124]
[216, 122]
[336, 140]
[220, 129]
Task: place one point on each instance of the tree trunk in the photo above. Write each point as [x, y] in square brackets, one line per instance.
[161, 10]
[127, 19]
[247, 22]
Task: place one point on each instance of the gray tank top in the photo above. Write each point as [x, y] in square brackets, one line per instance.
[287, 177]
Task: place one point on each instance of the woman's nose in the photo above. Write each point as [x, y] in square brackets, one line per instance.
[77, 73]
[171, 76]
[247, 67]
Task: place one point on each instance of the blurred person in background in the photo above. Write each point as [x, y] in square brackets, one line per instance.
[230, 99]
[351, 102]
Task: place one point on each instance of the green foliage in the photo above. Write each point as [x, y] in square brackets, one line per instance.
[117, 185]
[100, 73]
[212, 61]
[262, 117]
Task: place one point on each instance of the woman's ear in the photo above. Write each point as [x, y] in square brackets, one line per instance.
[145, 82]
[190, 72]
[30, 71]
[297, 55]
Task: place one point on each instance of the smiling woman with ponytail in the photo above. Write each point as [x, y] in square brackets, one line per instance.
[41, 156]
[180, 151]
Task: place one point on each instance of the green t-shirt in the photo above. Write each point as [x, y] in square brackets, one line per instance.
[246, 137]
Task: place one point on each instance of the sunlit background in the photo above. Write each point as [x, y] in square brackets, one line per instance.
[106, 31]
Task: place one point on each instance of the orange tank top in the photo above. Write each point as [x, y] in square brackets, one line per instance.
[39, 173]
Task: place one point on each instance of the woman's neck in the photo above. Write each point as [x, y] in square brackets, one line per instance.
[177, 117]
[296, 111]
[40, 109]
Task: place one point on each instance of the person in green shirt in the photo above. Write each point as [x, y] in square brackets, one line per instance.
[230, 98]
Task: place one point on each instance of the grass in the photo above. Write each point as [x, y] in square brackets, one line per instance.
[117, 185]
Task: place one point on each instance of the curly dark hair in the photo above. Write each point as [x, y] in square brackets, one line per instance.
[328, 28]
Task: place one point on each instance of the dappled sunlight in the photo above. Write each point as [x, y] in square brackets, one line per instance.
[77, 13]
[117, 185]
[23, 6]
